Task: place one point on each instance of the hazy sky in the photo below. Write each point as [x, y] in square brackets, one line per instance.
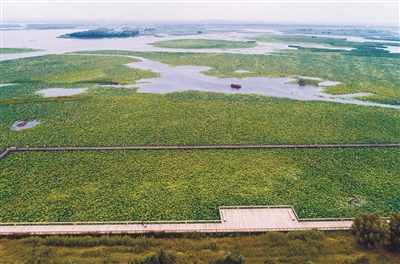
[337, 11]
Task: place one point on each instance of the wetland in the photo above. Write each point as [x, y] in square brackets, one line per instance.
[134, 93]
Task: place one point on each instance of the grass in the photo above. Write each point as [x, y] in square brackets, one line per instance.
[17, 50]
[202, 44]
[181, 185]
[356, 74]
[295, 247]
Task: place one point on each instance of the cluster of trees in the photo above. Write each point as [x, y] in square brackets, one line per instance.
[102, 33]
[371, 231]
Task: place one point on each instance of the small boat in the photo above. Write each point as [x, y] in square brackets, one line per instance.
[236, 85]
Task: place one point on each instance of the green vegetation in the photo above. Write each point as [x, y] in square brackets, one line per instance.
[305, 81]
[367, 49]
[203, 44]
[187, 185]
[394, 229]
[179, 185]
[370, 230]
[102, 33]
[68, 69]
[294, 247]
[16, 50]
[356, 74]
[119, 116]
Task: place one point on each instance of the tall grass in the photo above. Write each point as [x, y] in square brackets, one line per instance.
[298, 247]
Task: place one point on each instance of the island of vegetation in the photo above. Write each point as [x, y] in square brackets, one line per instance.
[16, 50]
[203, 44]
[102, 33]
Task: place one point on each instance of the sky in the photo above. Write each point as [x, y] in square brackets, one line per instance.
[312, 11]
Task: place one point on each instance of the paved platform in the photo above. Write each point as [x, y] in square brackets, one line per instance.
[233, 219]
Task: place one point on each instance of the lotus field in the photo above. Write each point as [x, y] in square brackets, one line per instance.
[120, 117]
[176, 185]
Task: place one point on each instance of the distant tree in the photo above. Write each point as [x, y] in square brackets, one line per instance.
[102, 33]
[394, 229]
[370, 230]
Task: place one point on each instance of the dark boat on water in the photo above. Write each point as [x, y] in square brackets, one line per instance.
[237, 86]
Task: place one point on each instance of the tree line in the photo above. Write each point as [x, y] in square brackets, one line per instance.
[371, 230]
[102, 33]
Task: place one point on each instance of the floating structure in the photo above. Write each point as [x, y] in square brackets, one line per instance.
[236, 85]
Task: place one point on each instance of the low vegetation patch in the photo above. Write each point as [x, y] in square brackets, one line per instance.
[203, 44]
[17, 50]
[67, 69]
[365, 49]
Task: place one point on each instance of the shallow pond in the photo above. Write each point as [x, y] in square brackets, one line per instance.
[54, 92]
[19, 125]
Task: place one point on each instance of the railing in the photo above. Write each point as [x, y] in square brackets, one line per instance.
[260, 146]
[112, 223]
[210, 230]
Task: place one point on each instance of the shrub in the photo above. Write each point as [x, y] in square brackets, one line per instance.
[394, 229]
[370, 230]
[230, 260]
[358, 260]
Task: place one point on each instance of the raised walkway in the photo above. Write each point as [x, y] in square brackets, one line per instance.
[247, 219]
[261, 146]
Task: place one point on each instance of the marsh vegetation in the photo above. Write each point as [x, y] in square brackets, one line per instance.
[295, 247]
